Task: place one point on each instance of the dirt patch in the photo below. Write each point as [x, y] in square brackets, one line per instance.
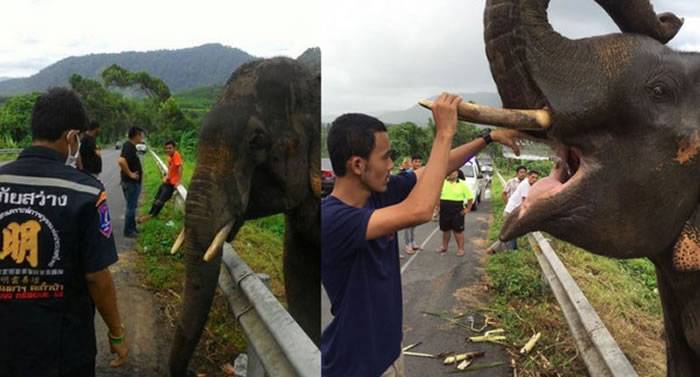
[147, 334]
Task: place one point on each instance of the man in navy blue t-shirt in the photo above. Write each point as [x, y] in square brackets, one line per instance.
[359, 221]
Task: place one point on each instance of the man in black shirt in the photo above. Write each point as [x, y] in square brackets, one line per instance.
[57, 245]
[89, 154]
[131, 173]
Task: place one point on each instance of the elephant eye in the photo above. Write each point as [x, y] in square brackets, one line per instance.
[660, 92]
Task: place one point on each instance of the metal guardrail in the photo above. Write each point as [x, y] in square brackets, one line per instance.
[597, 347]
[275, 340]
[10, 150]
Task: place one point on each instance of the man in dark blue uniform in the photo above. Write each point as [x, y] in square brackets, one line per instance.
[57, 244]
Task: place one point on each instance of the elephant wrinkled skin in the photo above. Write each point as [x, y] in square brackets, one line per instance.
[626, 125]
[258, 154]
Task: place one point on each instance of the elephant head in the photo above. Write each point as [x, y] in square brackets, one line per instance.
[625, 123]
[258, 154]
[624, 114]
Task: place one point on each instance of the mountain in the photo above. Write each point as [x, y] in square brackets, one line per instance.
[420, 115]
[312, 59]
[182, 69]
[4, 78]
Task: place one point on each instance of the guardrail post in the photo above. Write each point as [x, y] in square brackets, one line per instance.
[255, 366]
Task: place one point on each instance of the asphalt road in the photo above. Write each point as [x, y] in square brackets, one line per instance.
[148, 334]
[444, 284]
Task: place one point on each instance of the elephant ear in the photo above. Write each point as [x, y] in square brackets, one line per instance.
[686, 251]
[315, 137]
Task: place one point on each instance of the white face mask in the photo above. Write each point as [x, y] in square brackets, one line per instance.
[72, 159]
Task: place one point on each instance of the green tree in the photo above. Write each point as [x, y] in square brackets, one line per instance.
[122, 78]
[15, 120]
[408, 138]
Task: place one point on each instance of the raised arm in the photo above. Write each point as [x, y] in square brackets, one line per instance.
[417, 208]
[461, 154]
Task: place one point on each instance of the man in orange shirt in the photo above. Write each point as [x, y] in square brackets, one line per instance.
[172, 179]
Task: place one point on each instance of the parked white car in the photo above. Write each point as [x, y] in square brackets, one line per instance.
[474, 179]
[141, 147]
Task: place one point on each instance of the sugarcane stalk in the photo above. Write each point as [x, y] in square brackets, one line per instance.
[478, 367]
[462, 356]
[530, 344]
[464, 364]
[410, 346]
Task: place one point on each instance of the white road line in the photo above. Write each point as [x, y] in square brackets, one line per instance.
[408, 262]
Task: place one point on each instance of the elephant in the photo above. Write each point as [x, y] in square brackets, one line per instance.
[258, 154]
[623, 117]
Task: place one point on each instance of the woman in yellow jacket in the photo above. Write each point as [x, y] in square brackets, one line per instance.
[455, 201]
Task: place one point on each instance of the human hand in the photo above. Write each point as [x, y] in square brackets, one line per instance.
[134, 175]
[120, 349]
[509, 138]
[445, 113]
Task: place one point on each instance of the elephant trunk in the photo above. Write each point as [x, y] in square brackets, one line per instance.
[534, 66]
[505, 48]
[638, 16]
[208, 215]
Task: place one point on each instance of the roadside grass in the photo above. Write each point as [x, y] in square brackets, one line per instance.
[8, 156]
[259, 243]
[623, 292]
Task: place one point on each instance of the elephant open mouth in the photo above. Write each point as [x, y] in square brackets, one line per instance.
[556, 198]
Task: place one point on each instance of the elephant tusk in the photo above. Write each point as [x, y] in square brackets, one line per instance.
[218, 242]
[521, 120]
[178, 242]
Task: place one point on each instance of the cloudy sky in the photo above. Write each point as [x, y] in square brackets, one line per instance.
[36, 33]
[380, 56]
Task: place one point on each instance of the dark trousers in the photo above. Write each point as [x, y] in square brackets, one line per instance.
[165, 192]
[85, 371]
[131, 191]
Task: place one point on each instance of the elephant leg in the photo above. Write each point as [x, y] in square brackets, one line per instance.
[691, 327]
[302, 274]
[680, 323]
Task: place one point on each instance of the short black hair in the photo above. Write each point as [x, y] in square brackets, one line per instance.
[351, 135]
[55, 112]
[170, 142]
[93, 125]
[531, 172]
[416, 157]
[521, 167]
[134, 130]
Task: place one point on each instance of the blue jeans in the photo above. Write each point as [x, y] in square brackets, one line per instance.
[131, 191]
[409, 236]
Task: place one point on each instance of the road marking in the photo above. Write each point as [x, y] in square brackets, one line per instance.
[403, 268]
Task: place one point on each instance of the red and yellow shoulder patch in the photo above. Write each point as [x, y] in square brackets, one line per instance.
[101, 199]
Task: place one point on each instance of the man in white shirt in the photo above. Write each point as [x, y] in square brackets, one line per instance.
[517, 198]
[512, 184]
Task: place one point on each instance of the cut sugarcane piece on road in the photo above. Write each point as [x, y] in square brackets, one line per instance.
[464, 364]
[530, 344]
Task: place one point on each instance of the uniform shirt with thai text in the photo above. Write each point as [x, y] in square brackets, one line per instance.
[55, 227]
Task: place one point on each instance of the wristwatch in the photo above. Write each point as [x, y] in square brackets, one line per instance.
[486, 135]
